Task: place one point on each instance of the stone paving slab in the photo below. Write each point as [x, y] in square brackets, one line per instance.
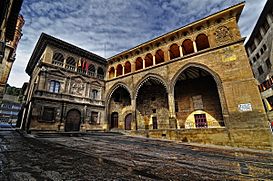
[103, 156]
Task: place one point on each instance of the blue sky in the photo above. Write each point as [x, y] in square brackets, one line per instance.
[107, 27]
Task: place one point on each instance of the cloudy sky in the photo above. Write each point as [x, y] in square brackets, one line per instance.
[107, 27]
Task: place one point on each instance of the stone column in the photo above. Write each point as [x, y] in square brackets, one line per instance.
[169, 55]
[172, 118]
[96, 72]
[143, 63]
[123, 69]
[194, 46]
[64, 63]
[154, 60]
[133, 67]
[181, 51]
[134, 118]
[166, 55]
[85, 89]
[115, 73]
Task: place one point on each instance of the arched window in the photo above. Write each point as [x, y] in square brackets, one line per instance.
[91, 70]
[100, 73]
[58, 59]
[174, 51]
[54, 86]
[127, 67]
[70, 63]
[187, 47]
[202, 42]
[119, 70]
[159, 56]
[139, 63]
[148, 60]
[112, 72]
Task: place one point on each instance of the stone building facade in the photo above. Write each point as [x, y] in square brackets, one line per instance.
[190, 85]
[260, 51]
[187, 85]
[66, 88]
[11, 24]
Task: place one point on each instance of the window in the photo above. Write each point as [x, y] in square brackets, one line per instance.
[58, 59]
[94, 94]
[262, 51]
[260, 70]
[100, 73]
[54, 86]
[94, 118]
[268, 63]
[264, 47]
[257, 55]
[253, 47]
[200, 120]
[254, 59]
[48, 114]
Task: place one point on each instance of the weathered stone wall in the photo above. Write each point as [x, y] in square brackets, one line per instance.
[60, 114]
[122, 106]
[152, 101]
[217, 136]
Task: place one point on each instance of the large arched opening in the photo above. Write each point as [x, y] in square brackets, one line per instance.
[70, 63]
[119, 105]
[58, 59]
[119, 70]
[152, 104]
[197, 101]
[187, 47]
[111, 72]
[148, 60]
[139, 63]
[174, 51]
[202, 42]
[127, 67]
[159, 56]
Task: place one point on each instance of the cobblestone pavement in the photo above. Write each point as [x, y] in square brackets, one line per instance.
[108, 156]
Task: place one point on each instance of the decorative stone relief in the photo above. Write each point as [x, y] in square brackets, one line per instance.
[77, 87]
[223, 35]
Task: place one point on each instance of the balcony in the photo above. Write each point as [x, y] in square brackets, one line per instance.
[58, 63]
[67, 97]
[266, 85]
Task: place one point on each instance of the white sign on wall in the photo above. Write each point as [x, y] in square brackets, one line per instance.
[245, 107]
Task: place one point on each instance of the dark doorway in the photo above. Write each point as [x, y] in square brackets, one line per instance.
[73, 120]
[128, 120]
[154, 123]
[114, 120]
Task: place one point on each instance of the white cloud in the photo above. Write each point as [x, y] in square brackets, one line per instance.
[117, 25]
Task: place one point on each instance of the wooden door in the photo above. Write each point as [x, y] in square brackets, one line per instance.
[114, 120]
[73, 120]
[154, 123]
[128, 120]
